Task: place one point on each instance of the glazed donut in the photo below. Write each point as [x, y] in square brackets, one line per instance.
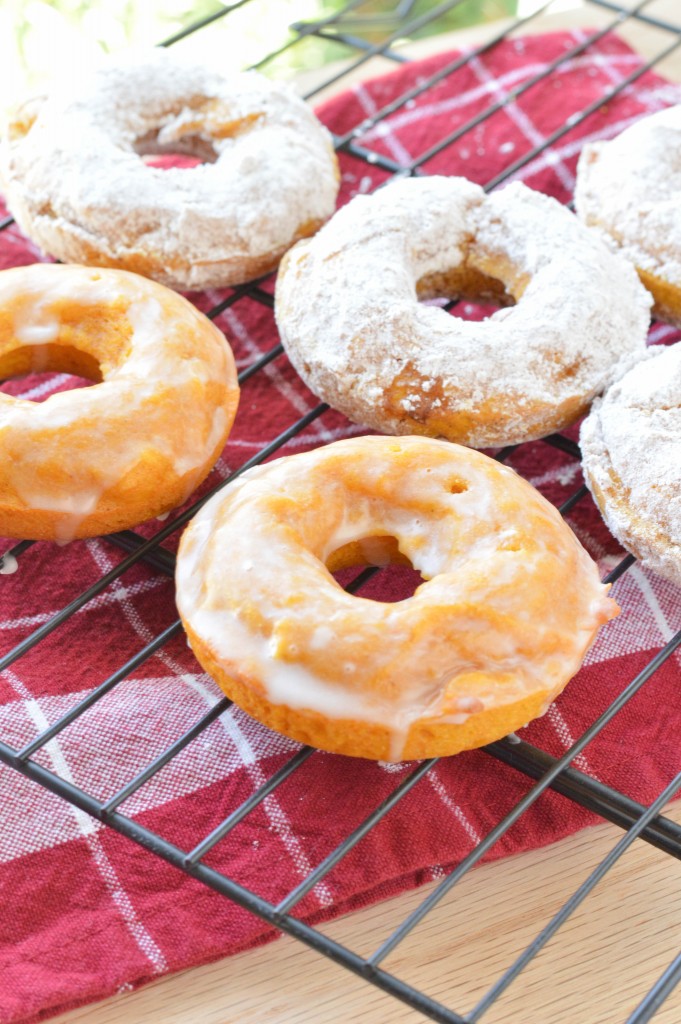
[631, 451]
[349, 317]
[628, 189]
[510, 604]
[133, 446]
[77, 185]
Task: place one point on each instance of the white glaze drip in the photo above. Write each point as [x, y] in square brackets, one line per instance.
[311, 646]
[35, 333]
[133, 416]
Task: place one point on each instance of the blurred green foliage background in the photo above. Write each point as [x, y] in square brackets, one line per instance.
[44, 40]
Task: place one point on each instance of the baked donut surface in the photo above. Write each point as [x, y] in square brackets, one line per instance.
[629, 190]
[76, 182]
[349, 317]
[509, 606]
[631, 456]
[134, 445]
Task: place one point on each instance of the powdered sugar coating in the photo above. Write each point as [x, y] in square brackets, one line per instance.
[76, 184]
[631, 448]
[629, 189]
[348, 314]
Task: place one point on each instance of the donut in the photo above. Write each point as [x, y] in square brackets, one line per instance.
[134, 445]
[349, 317]
[509, 606]
[628, 190]
[77, 185]
[631, 452]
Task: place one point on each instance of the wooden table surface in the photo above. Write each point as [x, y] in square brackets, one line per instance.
[595, 971]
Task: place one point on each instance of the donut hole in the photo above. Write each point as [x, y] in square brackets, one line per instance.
[172, 161]
[42, 363]
[184, 154]
[378, 549]
[398, 578]
[465, 283]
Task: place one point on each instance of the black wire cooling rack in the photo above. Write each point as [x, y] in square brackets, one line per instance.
[636, 821]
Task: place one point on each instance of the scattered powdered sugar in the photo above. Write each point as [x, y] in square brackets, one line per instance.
[631, 447]
[349, 317]
[629, 187]
[8, 564]
[76, 182]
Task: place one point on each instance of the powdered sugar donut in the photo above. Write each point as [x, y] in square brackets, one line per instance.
[509, 606]
[631, 450]
[348, 312]
[77, 185]
[137, 443]
[629, 189]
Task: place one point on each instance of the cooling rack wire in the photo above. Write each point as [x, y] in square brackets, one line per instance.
[637, 822]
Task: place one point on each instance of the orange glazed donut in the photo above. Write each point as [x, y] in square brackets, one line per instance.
[136, 444]
[509, 606]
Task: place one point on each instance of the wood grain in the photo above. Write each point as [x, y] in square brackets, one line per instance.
[595, 970]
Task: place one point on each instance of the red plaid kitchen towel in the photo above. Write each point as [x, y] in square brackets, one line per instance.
[86, 912]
